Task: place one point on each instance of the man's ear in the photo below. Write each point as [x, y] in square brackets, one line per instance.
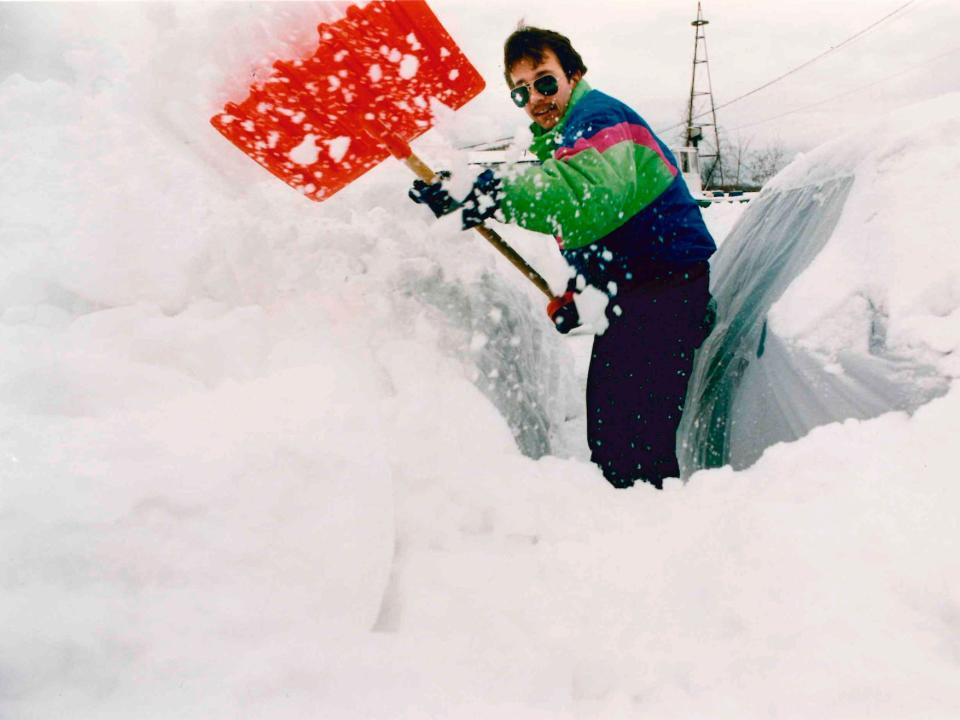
[576, 77]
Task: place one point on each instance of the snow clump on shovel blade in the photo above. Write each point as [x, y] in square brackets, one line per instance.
[307, 152]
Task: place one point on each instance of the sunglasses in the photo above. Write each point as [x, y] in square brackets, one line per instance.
[546, 85]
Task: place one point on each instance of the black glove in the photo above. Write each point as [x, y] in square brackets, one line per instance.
[481, 202]
[434, 195]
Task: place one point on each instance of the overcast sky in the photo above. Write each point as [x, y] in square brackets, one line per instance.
[642, 50]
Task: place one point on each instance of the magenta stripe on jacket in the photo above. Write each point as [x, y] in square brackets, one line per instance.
[612, 135]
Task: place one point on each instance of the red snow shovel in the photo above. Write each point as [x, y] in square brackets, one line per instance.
[319, 123]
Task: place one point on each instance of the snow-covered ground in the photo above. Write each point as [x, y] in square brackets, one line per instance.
[721, 217]
[266, 458]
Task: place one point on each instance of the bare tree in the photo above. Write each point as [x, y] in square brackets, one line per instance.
[744, 168]
[731, 171]
[767, 162]
[738, 167]
[736, 159]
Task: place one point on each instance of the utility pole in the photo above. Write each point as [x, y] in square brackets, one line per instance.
[697, 117]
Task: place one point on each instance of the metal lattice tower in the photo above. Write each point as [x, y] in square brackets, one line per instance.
[700, 115]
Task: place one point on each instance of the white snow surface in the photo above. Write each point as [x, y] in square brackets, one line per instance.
[721, 217]
[266, 458]
[896, 248]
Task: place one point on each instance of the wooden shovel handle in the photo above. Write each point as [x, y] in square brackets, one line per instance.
[423, 171]
[493, 237]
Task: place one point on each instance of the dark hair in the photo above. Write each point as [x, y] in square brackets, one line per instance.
[531, 42]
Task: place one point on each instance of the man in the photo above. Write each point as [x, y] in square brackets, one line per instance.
[610, 192]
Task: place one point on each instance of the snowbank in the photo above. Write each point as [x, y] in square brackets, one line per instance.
[210, 387]
[264, 458]
[838, 292]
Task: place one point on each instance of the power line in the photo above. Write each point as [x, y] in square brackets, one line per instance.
[799, 67]
[851, 92]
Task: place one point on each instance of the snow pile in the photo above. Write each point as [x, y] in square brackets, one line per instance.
[210, 386]
[838, 292]
[894, 256]
[266, 458]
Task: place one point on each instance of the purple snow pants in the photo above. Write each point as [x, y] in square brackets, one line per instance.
[638, 377]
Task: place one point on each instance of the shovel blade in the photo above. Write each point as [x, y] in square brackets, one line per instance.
[379, 67]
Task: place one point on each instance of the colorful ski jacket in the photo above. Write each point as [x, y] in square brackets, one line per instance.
[611, 193]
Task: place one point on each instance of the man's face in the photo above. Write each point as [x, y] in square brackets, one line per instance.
[543, 110]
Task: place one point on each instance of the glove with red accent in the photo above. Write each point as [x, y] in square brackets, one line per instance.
[563, 311]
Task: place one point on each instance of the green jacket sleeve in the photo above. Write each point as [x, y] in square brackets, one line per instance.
[597, 187]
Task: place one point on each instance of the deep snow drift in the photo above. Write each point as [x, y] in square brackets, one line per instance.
[266, 458]
[834, 289]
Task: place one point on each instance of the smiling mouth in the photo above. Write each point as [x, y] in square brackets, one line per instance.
[546, 110]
